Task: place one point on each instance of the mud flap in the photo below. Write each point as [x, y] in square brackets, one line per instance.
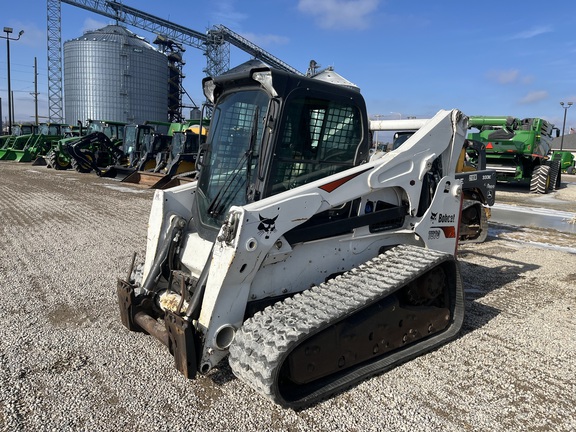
[181, 344]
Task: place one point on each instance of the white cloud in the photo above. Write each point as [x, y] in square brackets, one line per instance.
[504, 76]
[225, 13]
[32, 36]
[534, 96]
[341, 14]
[266, 40]
[92, 24]
[535, 31]
[509, 76]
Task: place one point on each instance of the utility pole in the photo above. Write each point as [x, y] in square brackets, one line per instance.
[8, 31]
[568, 105]
[35, 94]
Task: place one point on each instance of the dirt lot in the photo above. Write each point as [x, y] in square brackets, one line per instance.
[66, 362]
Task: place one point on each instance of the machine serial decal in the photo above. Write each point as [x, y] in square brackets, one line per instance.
[332, 186]
[434, 232]
[267, 226]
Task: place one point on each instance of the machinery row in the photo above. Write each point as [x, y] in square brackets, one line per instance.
[154, 154]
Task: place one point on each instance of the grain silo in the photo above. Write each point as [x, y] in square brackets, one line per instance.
[113, 74]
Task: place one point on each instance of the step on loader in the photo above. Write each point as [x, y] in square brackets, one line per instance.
[293, 256]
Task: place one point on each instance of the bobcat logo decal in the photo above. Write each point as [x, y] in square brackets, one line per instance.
[267, 226]
[433, 216]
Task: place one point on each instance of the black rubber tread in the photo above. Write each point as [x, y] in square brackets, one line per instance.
[55, 163]
[540, 180]
[264, 341]
[80, 167]
[555, 178]
[483, 224]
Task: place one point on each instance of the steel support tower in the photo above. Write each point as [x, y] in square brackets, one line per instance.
[215, 42]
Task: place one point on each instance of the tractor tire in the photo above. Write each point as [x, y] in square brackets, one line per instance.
[56, 161]
[555, 175]
[540, 181]
[81, 168]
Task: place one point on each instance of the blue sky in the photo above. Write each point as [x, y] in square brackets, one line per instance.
[410, 58]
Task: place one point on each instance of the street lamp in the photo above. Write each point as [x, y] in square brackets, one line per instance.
[8, 31]
[568, 105]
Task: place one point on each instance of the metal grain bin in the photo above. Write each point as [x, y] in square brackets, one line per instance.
[113, 74]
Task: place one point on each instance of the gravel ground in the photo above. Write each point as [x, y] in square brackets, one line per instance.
[67, 363]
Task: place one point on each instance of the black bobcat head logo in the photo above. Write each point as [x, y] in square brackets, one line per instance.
[434, 216]
[267, 226]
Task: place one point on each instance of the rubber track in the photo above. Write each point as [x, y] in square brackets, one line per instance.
[554, 173]
[539, 180]
[264, 341]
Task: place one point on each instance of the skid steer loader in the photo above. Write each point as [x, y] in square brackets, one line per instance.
[174, 163]
[307, 264]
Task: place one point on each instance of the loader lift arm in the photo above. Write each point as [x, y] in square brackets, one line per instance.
[85, 152]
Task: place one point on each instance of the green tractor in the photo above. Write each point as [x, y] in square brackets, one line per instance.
[7, 141]
[95, 151]
[519, 150]
[59, 158]
[567, 161]
[25, 147]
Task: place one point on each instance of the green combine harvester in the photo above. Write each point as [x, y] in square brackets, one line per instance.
[567, 161]
[519, 150]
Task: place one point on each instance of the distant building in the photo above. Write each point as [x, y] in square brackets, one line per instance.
[569, 143]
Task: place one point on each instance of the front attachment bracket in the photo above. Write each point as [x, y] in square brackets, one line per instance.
[126, 297]
[181, 343]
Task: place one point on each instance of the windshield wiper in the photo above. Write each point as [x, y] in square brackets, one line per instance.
[217, 205]
[250, 153]
[225, 194]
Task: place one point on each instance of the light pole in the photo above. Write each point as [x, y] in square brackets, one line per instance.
[9, 30]
[376, 142]
[568, 105]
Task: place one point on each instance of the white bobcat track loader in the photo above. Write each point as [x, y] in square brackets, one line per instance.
[306, 264]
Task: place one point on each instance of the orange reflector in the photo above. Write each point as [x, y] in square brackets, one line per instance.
[489, 145]
[449, 231]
